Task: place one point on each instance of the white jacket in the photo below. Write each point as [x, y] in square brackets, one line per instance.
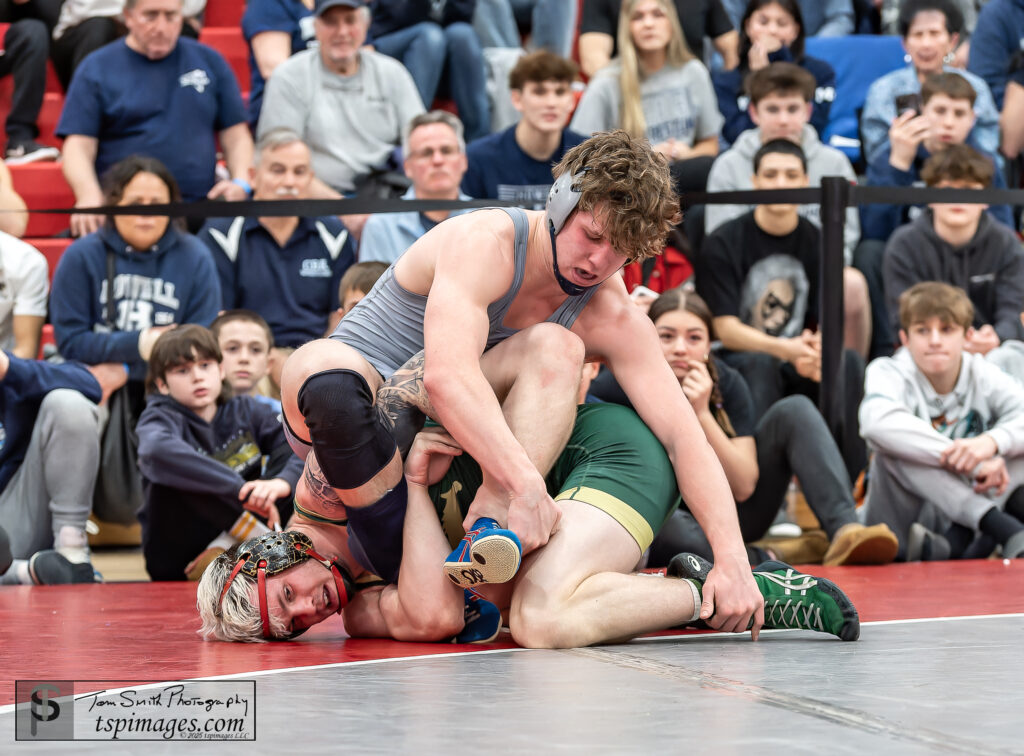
[903, 416]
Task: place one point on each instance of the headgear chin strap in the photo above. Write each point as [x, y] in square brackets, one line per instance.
[562, 200]
[272, 553]
[573, 290]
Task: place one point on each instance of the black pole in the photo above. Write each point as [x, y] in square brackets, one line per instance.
[835, 196]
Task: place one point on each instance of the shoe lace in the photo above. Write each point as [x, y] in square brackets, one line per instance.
[791, 611]
[793, 614]
[791, 580]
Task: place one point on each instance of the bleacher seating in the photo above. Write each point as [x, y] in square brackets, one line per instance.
[42, 185]
[52, 84]
[858, 60]
[223, 13]
[53, 101]
[52, 250]
[230, 43]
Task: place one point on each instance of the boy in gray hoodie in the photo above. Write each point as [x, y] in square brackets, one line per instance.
[964, 246]
[781, 100]
[947, 430]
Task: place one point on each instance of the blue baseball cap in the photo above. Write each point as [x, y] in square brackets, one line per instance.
[324, 5]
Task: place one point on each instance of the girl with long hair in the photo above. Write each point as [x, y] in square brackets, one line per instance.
[759, 461]
[656, 88]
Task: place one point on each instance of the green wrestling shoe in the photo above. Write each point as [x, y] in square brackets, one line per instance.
[792, 600]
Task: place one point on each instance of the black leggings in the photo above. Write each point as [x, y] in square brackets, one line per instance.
[792, 439]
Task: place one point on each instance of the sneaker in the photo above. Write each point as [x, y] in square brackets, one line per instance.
[487, 554]
[1014, 546]
[925, 546]
[792, 600]
[20, 153]
[483, 620]
[51, 568]
[806, 548]
[859, 544]
[73, 544]
[194, 570]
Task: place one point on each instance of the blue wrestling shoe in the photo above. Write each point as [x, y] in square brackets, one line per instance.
[483, 620]
[487, 554]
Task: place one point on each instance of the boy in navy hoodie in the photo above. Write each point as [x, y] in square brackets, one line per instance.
[202, 457]
[49, 457]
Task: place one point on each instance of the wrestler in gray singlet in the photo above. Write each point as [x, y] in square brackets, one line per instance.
[386, 327]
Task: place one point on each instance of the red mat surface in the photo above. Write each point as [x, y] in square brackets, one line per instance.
[146, 631]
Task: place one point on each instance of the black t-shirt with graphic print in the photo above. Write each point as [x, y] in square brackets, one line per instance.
[769, 282]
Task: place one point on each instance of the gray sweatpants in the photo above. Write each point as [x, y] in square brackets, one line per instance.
[53, 486]
[901, 493]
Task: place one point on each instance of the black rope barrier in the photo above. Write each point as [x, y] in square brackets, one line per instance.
[857, 195]
[834, 196]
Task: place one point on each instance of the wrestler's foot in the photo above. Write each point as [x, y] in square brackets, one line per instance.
[483, 620]
[50, 568]
[487, 554]
[792, 600]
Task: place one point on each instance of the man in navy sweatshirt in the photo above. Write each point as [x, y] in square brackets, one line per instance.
[49, 458]
[286, 269]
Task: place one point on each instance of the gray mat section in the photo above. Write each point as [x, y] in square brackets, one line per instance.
[923, 687]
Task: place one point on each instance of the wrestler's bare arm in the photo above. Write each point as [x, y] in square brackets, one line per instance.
[616, 330]
[474, 269]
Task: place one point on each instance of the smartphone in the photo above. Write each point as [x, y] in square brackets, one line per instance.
[643, 291]
[905, 102]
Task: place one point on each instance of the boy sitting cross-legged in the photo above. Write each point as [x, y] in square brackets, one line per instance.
[947, 429]
[201, 453]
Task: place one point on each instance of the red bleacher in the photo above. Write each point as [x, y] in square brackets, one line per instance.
[52, 249]
[42, 185]
[223, 13]
[230, 43]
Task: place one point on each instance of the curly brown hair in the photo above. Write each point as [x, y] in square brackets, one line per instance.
[629, 184]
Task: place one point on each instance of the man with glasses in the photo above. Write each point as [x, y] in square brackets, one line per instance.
[435, 161]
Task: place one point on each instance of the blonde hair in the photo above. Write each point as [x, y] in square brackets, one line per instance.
[631, 118]
[238, 617]
[629, 183]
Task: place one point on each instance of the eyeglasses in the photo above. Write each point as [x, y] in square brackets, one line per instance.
[427, 153]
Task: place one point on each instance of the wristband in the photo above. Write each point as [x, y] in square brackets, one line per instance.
[242, 183]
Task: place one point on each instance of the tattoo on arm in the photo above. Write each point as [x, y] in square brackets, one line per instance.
[403, 404]
[328, 502]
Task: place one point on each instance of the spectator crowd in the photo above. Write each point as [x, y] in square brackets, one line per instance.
[179, 329]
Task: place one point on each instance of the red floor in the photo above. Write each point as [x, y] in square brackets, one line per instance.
[146, 631]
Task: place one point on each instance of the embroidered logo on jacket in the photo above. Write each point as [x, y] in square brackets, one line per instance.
[196, 78]
[315, 267]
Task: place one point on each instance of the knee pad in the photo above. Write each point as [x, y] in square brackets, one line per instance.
[350, 443]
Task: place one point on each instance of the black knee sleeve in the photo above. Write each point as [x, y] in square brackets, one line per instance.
[349, 441]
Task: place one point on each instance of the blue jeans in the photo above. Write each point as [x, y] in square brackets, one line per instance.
[424, 48]
[551, 23]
